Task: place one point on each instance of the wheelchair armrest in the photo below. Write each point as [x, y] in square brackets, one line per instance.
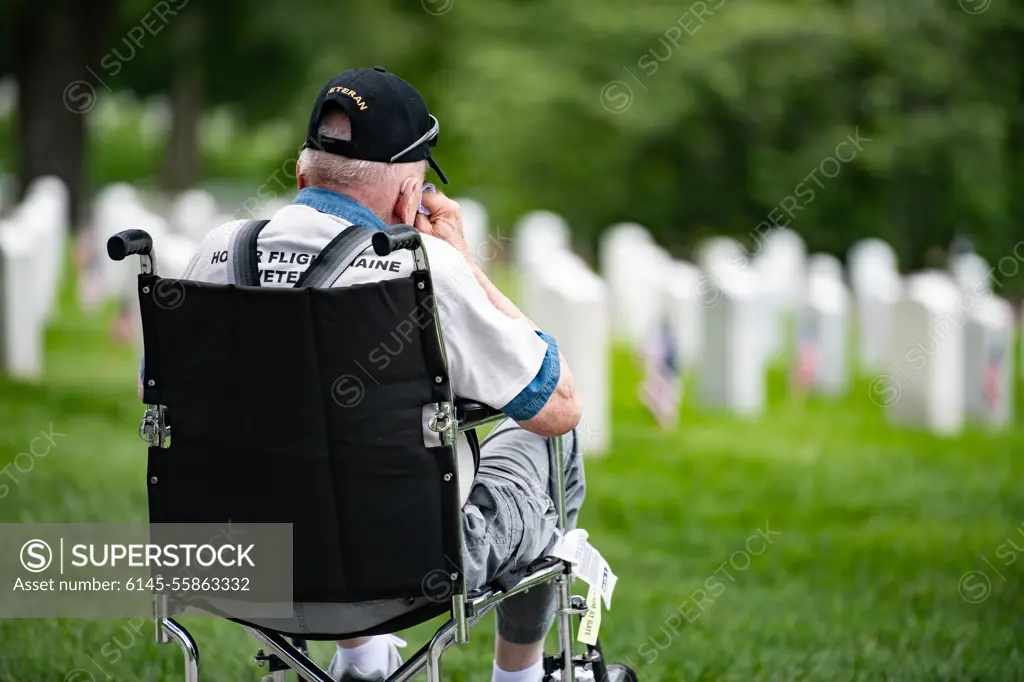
[472, 412]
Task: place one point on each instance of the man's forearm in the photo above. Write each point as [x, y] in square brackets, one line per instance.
[564, 397]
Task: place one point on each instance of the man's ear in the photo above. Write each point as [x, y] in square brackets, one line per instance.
[408, 201]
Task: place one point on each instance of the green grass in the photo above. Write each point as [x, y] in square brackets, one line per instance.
[875, 528]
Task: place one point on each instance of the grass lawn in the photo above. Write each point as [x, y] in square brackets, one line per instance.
[812, 544]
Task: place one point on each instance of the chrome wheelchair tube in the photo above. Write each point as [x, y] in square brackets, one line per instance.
[449, 437]
[558, 464]
[469, 426]
[171, 630]
[438, 645]
[460, 619]
[563, 593]
[562, 602]
[149, 262]
[539, 578]
[441, 642]
[290, 655]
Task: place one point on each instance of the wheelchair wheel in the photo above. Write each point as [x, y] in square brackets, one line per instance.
[619, 673]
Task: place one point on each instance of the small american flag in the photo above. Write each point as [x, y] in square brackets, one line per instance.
[661, 390]
[808, 359]
[992, 375]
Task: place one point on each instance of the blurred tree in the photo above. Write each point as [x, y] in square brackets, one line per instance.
[49, 49]
[238, 53]
[718, 113]
[721, 115]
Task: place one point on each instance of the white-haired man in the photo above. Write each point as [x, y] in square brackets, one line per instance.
[364, 163]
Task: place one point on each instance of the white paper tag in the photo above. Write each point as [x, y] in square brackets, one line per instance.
[588, 564]
[570, 546]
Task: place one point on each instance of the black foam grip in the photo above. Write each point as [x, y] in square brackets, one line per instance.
[129, 243]
[395, 238]
[471, 411]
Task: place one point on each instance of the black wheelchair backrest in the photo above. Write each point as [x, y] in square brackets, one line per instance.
[306, 406]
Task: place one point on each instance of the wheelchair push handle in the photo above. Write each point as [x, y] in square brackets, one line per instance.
[129, 243]
[395, 238]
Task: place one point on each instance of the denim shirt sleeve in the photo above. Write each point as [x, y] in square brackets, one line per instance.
[531, 399]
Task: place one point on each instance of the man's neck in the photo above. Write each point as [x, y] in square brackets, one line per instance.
[365, 196]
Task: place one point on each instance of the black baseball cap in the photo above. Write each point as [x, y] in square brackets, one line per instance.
[390, 121]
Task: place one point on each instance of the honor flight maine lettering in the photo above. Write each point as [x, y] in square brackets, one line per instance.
[291, 275]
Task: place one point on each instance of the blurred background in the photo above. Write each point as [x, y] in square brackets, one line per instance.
[780, 243]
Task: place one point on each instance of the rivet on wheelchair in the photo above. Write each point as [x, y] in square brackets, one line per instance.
[246, 377]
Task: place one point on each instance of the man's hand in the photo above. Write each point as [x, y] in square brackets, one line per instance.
[444, 221]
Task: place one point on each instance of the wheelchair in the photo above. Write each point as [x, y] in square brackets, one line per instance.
[246, 378]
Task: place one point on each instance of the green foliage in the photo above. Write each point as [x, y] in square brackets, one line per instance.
[712, 116]
[877, 529]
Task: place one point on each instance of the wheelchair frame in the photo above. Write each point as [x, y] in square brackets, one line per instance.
[466, 610]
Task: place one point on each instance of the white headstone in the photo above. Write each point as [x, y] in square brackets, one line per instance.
[474, 226]
[172, 253]
[779, 259]
[876, 284]
[113, 211]
[782, 255]
[539, 235]
[682, 296]
[635, 270]
[923, 384]
[988, 361]
[193, 214]
[824, 264]
[722, 257]
[44, 213]
[21, 321]
[572, 305]
[615, 270]
[822, 363]
[731, 367]
[972, 273]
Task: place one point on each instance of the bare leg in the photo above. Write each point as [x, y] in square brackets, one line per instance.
[515, 657]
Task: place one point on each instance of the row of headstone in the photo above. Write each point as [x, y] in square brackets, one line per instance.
[731, 368]
[120, 207]
[566, 299]
[822, 363]
[779, 260]
[989, 331]
[876, 283]
[720, 310]
[33, 240]
[949, 356]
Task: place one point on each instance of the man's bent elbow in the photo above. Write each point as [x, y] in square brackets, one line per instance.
[557, 418]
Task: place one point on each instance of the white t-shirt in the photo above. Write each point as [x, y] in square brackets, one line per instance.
[492, 358]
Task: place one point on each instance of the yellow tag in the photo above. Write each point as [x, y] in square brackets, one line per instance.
[592, 621]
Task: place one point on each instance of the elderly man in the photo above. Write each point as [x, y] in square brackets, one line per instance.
[364, 163]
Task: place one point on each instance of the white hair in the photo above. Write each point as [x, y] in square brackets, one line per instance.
[324, 169]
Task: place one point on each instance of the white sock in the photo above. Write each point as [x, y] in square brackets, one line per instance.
[371, 657]
[532, 674]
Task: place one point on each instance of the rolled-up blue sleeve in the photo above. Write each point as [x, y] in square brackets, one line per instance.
[531, 399]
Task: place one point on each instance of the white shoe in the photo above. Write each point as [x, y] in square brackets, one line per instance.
[350, 673]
